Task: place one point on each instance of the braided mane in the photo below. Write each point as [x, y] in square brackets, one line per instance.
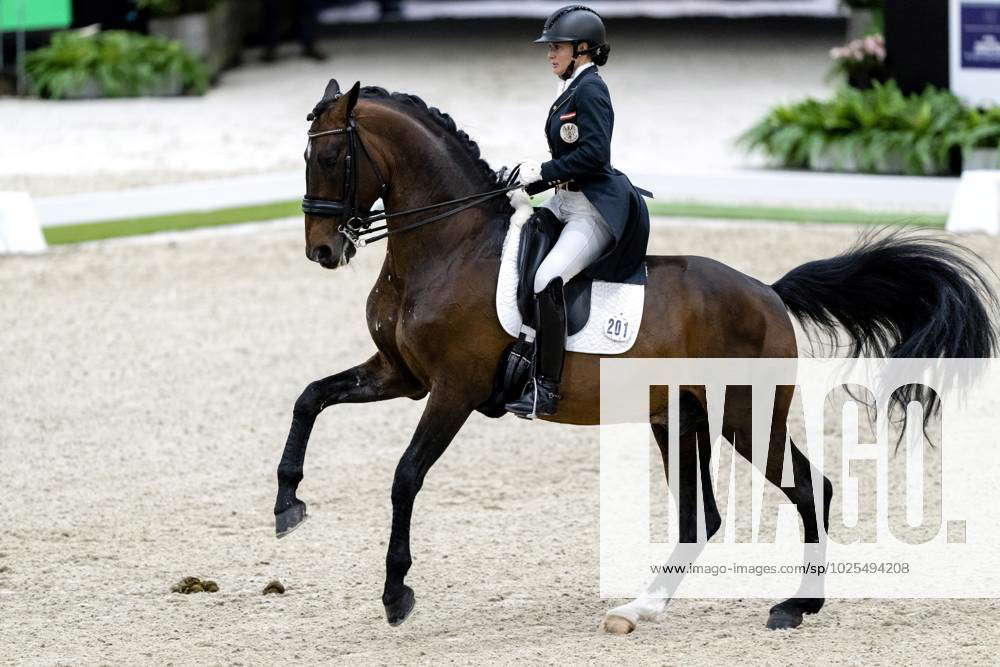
[437, 119]
[440, 120]
[429, 115]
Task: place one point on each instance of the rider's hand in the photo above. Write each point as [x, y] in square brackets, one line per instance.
[530, 172]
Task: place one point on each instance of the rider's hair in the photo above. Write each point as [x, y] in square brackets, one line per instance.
[600, 54]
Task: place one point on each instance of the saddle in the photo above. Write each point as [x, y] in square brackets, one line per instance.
[618, 306]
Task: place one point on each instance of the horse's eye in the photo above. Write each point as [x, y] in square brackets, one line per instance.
[330, 160]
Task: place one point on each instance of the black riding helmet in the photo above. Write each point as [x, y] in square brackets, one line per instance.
[575, 24]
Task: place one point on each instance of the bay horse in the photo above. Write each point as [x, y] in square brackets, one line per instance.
[432, 317]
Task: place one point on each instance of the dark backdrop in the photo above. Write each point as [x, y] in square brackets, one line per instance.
[916, 41]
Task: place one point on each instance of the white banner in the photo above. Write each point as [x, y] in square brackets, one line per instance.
[974, 50]
[909, 518]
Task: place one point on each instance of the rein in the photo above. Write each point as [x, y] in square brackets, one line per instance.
[357, 225]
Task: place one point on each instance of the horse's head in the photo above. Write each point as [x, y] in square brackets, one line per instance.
[342, 181]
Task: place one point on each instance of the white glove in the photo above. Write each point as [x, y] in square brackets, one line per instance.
[520, 200]
[531, 172]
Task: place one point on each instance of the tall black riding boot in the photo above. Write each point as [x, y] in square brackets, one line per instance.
[541, 395]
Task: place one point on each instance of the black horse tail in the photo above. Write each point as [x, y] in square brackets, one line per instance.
[898, 295]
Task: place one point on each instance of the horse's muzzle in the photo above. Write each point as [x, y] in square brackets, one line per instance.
[324, 255]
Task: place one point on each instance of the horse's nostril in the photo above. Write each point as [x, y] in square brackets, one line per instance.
[322, 253]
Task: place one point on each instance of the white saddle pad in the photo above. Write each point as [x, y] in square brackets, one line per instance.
[615, 308]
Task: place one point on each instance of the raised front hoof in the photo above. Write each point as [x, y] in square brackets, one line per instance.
[290, 519]
[399, 609]
[616, 625]
[788, 614]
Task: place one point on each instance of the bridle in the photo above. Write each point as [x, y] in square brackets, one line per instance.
[357, 222]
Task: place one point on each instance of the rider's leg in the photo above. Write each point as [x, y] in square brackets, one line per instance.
[542, 396]
[581, 241]
[554, 204]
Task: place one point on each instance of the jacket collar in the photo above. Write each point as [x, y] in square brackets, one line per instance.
[573, 85]
[563, 85]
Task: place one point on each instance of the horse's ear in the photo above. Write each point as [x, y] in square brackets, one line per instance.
[331, 93]
[332, 90]
[352, 96]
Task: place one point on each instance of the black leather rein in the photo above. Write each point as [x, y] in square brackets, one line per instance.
[357, 222]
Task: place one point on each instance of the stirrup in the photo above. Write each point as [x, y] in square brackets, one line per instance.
[530, 397]
[518, 405]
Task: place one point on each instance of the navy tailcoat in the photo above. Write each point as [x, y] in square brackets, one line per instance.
[578, 130]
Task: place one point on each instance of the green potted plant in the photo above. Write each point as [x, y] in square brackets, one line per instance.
[982, 143]
[879, 130]
[209, 29]
[65, 69]
[116, 63]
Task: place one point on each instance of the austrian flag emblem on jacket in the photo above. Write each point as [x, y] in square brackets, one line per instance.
[567, 116]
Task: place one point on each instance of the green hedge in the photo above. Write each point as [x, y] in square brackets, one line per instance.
[880, 130]
[116, 63]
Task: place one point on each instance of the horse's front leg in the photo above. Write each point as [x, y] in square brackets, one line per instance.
[443, 416]
[375, 380]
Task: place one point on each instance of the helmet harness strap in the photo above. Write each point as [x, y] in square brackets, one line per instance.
[568, 72]
[577, 52]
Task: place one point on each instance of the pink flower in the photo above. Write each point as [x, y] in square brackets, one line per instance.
[858, 50]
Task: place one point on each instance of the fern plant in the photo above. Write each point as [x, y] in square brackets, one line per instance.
[880, 130]
[64, 67]
[116, 63]
[984, 131]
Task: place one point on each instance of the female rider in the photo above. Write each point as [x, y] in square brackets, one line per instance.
[606, 224]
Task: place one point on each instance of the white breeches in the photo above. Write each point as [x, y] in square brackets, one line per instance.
[583, 239]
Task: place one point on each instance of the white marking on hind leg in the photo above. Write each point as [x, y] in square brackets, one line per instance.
[641, 609]
[652, 605]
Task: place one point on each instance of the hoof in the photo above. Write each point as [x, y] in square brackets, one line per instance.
[290, 519]
[788, 614]
[617, 625]
[397, 611]
[783, 619]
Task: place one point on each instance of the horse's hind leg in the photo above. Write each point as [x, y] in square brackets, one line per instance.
[374, 380]
[809, 599]
[694, 455]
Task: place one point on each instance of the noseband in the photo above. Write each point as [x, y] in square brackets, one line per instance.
[357, 222]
